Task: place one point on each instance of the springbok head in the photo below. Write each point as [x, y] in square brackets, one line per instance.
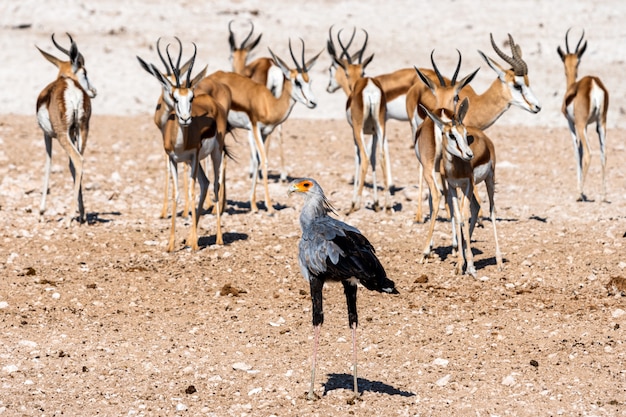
[515, 78]
[453, 131]
[239, 54]
[177, 91]
[353, 66]
[445, 95]
[299, 76]
[571, 60]
[74, 68]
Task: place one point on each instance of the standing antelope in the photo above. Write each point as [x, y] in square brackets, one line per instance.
[464, 169]
[63, 112]
[194, 130]
[444, 135]
[511, 87]
[366, 113]
[255, 109]
[586, 101]
[263, 71]
[161, 115]
[444, 95]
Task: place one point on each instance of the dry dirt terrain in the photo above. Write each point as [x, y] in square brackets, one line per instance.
[97, 319]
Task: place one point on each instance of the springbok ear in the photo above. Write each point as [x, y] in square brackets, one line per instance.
[561, 53]
[367, 61]
[198, 77]
[466, 80]
[462, 110]
[56, 61]
[254, 44]
[433, 117]
[309, 64]
[280, 64]
[493, 65]
[429, 83]
[582, 50]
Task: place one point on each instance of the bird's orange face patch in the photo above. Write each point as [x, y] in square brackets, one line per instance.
[305, 185]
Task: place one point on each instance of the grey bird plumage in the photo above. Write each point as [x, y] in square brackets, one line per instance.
[331, 250]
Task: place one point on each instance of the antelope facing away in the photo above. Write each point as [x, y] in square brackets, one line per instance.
[263, 71]
[195, 129]
[63, 112]
[255, 109]
[586, 101]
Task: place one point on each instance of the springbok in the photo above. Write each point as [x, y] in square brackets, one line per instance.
[263, 71]
[63, 112]
[255, 109]
[161, 114]
[510, 88]
[586, 101]
[366, 113]
[194, 130]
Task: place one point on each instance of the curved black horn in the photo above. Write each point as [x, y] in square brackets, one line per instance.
[295, 61]
[175, 69]
[566, 41]
[59, 47]
[509, 60]
[231, 37]
[362, 51]
[579, 42]
[243, 44]
[191, 61]
[442, 82]
[168, 70]
[456, 71]
[345, 48]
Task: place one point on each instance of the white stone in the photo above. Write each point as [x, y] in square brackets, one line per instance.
[255, 391]
[4, 304]
[443, 381]
[618, 313]
[241, 366]
[508, 380]
[440, 362]
[9, 369]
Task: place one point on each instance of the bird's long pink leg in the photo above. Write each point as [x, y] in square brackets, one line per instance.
[356, 388]
[312, 395]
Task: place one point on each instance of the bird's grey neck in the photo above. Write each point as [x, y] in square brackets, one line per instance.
[315, 206]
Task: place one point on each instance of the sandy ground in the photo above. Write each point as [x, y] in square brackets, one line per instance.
[99, 320]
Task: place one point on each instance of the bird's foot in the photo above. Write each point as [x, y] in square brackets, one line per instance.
[352, 400]
[311, 396]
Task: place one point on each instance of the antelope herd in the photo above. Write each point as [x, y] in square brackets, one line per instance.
[447, 120]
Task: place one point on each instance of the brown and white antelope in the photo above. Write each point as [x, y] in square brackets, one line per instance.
[161, 114]
[395, 85]
[366, 113]
[255, 109]
[586, 101]
[442, 94]
[263, 71]
[63, 112]
[511, 87]
[194, 130]
[462, 169]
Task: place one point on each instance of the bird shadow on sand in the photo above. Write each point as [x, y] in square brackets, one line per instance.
[345, 381]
